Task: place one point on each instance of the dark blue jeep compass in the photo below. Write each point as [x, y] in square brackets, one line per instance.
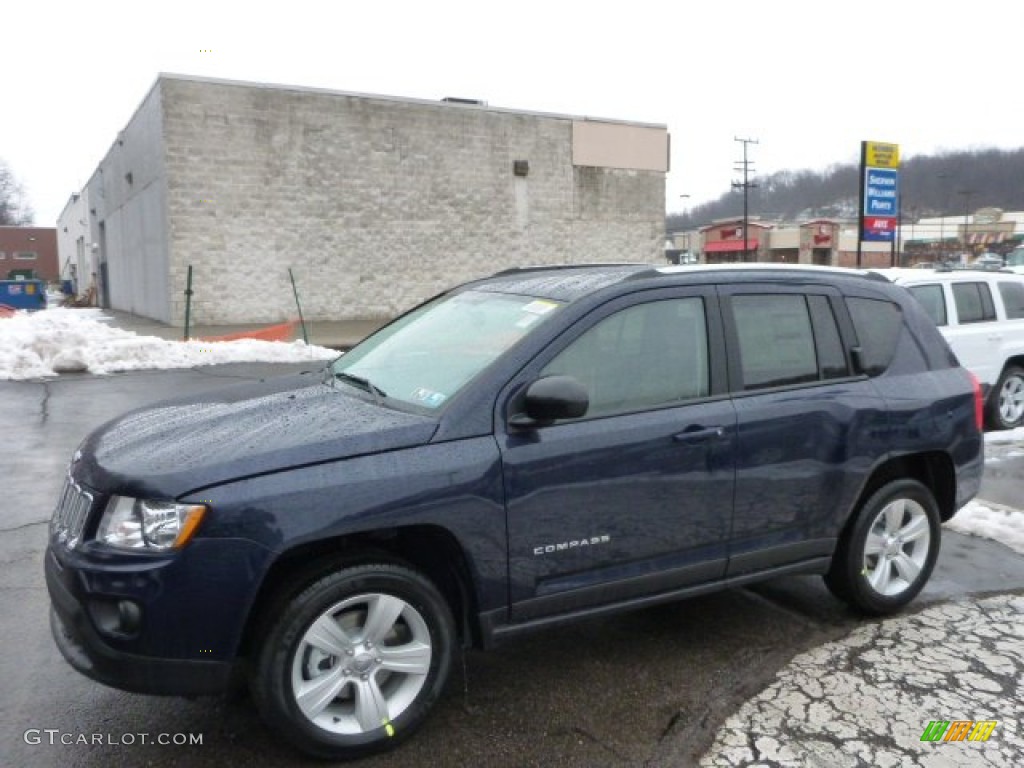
[524, 450]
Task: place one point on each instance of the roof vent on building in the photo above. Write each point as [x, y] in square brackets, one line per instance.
[459, 100]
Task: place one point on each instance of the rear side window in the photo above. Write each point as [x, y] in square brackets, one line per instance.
[930, 297]
[878, 324]
[973, 302]
[776, 340]
[1013, 299]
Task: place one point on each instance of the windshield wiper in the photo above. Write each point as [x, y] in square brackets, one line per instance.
[364, 384]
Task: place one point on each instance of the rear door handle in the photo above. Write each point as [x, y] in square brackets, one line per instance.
[699, 434]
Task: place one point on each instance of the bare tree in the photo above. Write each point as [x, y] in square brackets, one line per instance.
[14, 210]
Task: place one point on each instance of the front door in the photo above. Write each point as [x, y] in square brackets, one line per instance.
[635, 498]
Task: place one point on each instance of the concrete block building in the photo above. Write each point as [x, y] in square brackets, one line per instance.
[373, 202]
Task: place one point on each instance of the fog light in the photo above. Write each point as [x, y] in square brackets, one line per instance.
[129, 616]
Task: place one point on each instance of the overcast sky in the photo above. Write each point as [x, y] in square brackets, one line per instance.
[809, 80]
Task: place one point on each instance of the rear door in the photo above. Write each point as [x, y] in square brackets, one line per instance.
[802, 417]
[977, 332]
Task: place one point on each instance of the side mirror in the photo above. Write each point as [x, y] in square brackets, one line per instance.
[552, 398]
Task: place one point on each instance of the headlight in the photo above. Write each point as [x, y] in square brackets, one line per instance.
[148, 525]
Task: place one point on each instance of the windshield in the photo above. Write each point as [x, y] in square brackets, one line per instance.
[1016, 258]
[426, 357]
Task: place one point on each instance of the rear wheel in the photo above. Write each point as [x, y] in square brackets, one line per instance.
[1006, 404]
[355, 661]
[885, 558]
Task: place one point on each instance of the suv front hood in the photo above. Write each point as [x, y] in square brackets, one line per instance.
[169, 449]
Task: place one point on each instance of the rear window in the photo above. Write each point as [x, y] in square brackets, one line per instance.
[776, 340]
[973, 302]
[1013, 299]
[878, 324]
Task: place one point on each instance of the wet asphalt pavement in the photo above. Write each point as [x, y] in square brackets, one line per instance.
[652, 687]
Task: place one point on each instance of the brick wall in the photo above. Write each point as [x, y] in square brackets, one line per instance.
[32, 248]
[376, 203]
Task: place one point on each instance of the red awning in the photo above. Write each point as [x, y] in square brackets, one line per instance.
[984, 238]
[725, 246]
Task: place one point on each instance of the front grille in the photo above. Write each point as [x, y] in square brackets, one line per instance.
[70, 516]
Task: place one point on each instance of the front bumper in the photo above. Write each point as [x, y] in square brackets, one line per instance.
[88, 652]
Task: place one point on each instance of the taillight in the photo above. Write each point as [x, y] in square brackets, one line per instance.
[979, 403]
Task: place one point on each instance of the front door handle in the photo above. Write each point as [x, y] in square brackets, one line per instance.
[699, 434]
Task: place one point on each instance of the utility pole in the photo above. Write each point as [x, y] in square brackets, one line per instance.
[942, 218]
[746, 185]
[967, 209]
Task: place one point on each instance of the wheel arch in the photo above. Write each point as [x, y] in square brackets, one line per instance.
[1016, 361]
[933, 469]
[431, 550]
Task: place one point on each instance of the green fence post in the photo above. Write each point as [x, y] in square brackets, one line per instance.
[188, 299]
[302, 322]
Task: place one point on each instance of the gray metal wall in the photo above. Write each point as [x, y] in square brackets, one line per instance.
[127, 195]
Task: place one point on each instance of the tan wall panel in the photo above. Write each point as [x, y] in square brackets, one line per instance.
[612, 145]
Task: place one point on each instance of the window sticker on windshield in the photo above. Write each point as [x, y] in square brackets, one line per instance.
[540, 307]
[428, 397]
[527, 320]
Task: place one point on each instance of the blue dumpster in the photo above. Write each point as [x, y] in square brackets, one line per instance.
[23, 294]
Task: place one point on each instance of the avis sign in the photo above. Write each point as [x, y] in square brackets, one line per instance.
[881, 191]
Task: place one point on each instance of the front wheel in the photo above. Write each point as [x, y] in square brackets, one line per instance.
[1006, 404]
[885, 558]
[355, 661]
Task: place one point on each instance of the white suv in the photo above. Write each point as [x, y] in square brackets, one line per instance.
[981, 314]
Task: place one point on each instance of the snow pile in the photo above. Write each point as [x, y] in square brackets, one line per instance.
[1005, 436]
[63, 340]
[991, 522]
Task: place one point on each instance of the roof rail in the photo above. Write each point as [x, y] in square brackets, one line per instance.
[546, 267]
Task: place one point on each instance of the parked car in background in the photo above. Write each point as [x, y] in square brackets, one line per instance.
[988, 261]
[981, 314]
[1015, 260]
[523, 451]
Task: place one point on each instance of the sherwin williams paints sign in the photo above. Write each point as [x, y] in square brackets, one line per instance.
[880, 190]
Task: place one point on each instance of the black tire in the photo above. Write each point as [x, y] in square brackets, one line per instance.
[1006, 401]
[885, 557]
[383, 647]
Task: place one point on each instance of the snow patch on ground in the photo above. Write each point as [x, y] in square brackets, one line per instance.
[991, 522]
[35, 345]
[1005, 436]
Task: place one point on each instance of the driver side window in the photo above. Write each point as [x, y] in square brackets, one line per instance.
[644, 356]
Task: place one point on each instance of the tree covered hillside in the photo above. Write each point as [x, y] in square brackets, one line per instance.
[930, 186]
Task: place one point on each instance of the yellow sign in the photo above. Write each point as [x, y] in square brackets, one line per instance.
[881, 155]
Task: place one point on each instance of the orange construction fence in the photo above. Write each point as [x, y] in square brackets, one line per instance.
[279, 332]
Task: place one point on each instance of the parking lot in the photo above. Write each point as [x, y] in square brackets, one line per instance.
[653, 687]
